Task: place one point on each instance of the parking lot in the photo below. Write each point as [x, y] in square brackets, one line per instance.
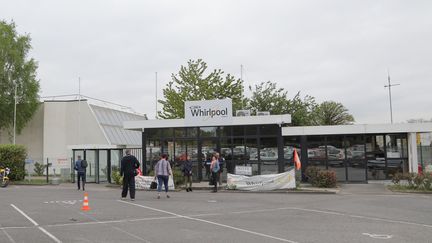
[359, 213]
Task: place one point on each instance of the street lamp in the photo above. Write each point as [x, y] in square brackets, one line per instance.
[389, 88]
[15, 103]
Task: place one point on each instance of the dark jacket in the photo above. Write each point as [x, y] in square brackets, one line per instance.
[78, 167]
[129, 164]
[187, 168]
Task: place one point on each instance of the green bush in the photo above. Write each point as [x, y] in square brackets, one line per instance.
[326, 178]
[39, 169]
[13, 156]
[312, 174]
[118, 180]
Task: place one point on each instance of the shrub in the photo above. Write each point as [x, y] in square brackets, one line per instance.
[427, 182]
[397, 177]
[312, 174]
[178, 177]
[13, 157]
[410, 179]
[118, 180]
[326, 178]
[39, 169]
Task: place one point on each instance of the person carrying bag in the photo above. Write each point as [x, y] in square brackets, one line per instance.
[129, 166]
[214, 168]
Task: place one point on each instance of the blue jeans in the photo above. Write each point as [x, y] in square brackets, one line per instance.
[164, 179]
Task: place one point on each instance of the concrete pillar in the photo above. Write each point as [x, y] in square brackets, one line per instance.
[412, 152]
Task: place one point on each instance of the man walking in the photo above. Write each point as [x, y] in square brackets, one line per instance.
[80, 167]
[129, 164]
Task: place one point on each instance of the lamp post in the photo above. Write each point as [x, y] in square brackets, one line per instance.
[15, 104]
[389, 88]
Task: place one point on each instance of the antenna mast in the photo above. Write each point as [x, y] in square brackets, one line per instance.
[389, 88]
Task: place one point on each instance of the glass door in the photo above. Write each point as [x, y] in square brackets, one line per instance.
[103, 166]
[91, 157]
[208, 148]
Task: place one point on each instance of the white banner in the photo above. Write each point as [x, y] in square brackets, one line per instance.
[270, 182]
[143, 182]
[243, 170]
[208, 112]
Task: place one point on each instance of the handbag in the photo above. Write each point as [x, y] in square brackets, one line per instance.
[153, 185]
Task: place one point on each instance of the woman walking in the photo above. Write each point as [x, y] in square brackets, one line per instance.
[187, 173]
[162, 173]
[214, 168]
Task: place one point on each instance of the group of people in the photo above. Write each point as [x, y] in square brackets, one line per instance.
[162, 169]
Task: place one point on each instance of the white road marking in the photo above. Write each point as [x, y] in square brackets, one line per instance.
[36, 224]
[210, 222]
[361, 217]
[378, 236]
[8, 236]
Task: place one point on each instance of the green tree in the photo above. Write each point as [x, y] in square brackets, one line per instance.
[16, 69]
[266, 96]
[192, 83]
[332, 113]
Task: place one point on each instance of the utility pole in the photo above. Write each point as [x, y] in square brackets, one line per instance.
[79, 110]
[389, 88]
[242, 91]
[156, 89]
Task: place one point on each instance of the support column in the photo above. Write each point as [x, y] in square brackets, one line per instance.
[412, 152]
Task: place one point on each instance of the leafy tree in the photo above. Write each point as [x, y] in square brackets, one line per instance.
[332, 113]
[267, 97]
[192, 83]
[16, 69]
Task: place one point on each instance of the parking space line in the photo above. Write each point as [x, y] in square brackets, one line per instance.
[361, 217]
[8, 236]
[36, 224]
[210, 222]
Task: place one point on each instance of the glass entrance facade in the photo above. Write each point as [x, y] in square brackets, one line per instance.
[254, 145]
[354, 158]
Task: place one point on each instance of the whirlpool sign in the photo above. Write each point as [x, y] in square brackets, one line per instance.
[208, 112]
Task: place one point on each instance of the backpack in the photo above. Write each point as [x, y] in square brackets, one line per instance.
[84, 163]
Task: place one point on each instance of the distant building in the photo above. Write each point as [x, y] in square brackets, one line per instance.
[63, 129]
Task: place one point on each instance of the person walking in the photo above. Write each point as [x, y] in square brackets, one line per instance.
[129, 164]
[162, 172]
[214, 168]
[80, 167]
[187, 173]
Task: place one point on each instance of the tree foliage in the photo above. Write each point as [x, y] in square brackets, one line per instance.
[16, 69]
[332, 113]
[267, 97]
[192, 83]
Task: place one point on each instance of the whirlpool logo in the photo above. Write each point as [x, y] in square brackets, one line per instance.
[197, 111]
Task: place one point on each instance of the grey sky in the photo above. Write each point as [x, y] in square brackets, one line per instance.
[332, 50]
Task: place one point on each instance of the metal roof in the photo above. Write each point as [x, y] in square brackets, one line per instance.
[111, 123]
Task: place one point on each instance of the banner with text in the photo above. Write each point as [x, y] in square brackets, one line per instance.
[208, 112]
[270, 182]
[143, 182]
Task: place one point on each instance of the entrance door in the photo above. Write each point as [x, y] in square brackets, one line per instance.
[91, 157]
[355, 158]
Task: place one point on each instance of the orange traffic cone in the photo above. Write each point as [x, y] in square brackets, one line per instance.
[85, 206]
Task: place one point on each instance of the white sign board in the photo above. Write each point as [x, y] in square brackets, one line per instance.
[243, 170]
[143, 182]
[208, 112]
[284, 180]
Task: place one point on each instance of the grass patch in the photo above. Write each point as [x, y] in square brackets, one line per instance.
[30, 182]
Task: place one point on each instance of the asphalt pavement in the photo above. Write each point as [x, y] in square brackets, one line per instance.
[53, 214]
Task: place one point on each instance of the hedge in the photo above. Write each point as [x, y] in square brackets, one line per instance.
[13, 156]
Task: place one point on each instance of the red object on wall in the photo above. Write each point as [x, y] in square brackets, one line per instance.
[420, 170]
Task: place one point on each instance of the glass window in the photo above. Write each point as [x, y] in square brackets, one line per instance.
[251, 130]
[355, 147]
[238, 131]
[396, 146]
[103, 165]
[208, 131]
[115, 162]
[225, 131]
[268, 156]
[180, 132]
[289, 144]
[192, 132]
[269, 130]
[316, 151]
[375, 157]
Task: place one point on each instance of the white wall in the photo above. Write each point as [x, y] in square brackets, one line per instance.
[31, 136]
[68, 123]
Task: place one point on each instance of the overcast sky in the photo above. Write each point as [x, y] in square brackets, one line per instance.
[332, 50]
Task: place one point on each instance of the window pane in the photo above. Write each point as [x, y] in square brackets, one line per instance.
[208, 131]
